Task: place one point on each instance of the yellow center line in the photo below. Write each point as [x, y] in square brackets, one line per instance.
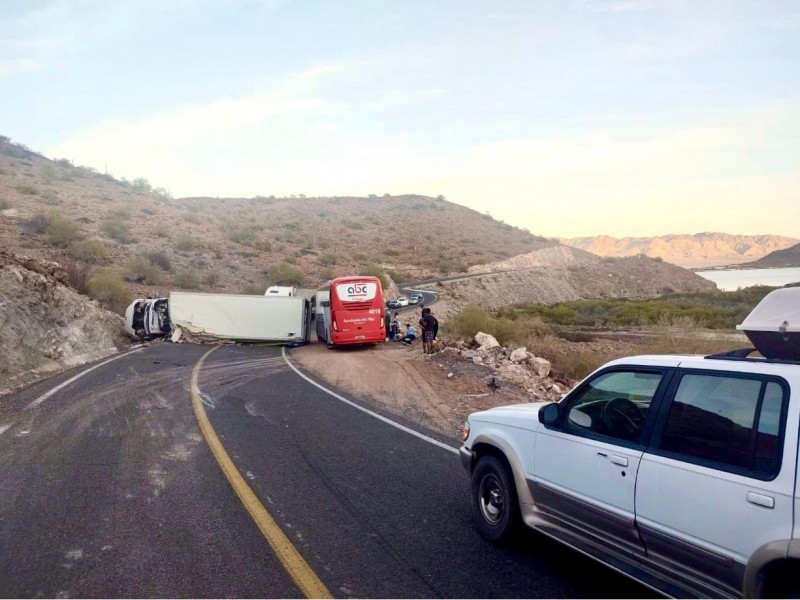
[290, 558]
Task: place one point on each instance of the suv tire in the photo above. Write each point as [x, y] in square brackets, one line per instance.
[495, 507]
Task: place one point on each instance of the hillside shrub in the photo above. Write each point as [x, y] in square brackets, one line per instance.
[160, 259]
[27, 189]
[139, 269]
[187, 243]
[376, 271]
[211, 278]
[4, 204]
[473, 319]
[36, 224]
[326, 260]
[107, 288]
[160, 231]
[90, 251]
[286, 274]
[187, 279]
[115, 225]
[253, 289]
[62, 231]
[193, 218]
[78, 275]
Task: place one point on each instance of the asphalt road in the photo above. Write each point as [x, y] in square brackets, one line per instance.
[108, 488]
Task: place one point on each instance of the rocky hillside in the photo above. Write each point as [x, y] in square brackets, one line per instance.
[789, 257]
[52, 210]
[579, 275]
[46, 326]
[698, 250]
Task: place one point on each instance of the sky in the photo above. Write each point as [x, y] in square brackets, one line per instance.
[567, 117]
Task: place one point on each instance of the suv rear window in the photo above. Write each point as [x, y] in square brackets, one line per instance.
[725, 422]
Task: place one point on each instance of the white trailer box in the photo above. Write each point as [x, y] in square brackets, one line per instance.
[774, 325]
[239, 317]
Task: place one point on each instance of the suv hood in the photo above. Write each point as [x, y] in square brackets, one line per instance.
[514, 415]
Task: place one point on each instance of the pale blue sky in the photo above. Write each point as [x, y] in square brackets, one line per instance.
[569, 118]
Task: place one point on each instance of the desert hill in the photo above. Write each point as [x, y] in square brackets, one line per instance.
[91, 222]
[697, 250]
[788, 257]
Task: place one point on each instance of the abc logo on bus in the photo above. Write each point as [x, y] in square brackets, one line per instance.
[357, 289]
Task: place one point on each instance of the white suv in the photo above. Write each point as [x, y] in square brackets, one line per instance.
[680, 471]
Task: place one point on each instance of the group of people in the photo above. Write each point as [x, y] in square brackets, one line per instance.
[428, 326]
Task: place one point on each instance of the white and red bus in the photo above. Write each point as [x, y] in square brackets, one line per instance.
[349, 310]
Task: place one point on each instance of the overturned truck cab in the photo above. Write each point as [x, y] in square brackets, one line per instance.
[147, 318]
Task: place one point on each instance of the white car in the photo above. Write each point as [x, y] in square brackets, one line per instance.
[679, 471]
[402, 301]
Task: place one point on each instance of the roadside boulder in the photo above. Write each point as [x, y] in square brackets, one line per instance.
[486, 341]
[519, 355]
[539, 366]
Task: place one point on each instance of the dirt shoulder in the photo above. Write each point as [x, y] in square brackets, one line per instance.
[436, 391]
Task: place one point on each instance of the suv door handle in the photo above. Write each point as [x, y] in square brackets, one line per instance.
[761, 500]
[619, 460]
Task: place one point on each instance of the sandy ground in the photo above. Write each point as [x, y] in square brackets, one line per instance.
[405, 382]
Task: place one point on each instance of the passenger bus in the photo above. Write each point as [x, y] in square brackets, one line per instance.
[349, 310]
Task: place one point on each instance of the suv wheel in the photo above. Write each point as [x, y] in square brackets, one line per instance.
[495, 507]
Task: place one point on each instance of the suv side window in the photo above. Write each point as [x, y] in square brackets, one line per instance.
[613, 404]
[725, 422]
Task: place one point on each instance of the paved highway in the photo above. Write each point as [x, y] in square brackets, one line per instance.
[111, 485]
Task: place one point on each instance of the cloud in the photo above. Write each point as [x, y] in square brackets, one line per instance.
[17, 65]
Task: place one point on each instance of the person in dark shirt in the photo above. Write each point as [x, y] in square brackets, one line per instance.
[430, 327]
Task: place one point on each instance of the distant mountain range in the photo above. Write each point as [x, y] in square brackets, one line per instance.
[696, 250]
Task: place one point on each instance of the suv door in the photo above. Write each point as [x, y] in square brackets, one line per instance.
[585, 466]
[710, 490]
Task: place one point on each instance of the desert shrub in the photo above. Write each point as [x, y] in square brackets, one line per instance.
[262, 245]
[327, 260]
[139, 269]
[90, 251]
[351, 224]
[376, 271]
[78, 275]
[253, 289]
[36, 224]
[115, 226]
[161, 231]
[4, 204]
[241, 233]
[61, 231]
[473, 319]
[140, 183]
[107, 288]
[193, 218]
[286, 274]
[49, 173]
[187, 243]
[211, 278]
[397, 276]
[392, 252]
[187, 279]
[160, 259]
[27, 189]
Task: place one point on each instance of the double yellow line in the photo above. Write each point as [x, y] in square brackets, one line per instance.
[289, 557]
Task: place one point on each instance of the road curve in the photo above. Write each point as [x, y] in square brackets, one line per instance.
[108, 488]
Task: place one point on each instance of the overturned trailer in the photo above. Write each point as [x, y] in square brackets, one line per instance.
[284, 319]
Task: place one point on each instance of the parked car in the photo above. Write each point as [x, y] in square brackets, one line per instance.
[414, 298]
[402, 300]
[393, 303]
[679, 471]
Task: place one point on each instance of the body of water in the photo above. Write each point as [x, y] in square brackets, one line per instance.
[733, 279]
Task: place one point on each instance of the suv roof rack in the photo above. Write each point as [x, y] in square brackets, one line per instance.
[743, 354]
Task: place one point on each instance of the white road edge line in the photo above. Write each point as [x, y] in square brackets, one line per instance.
[61, 386]
[4, 428]
[366, 410]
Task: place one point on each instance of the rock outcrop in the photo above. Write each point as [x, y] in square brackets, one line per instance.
[45, 325]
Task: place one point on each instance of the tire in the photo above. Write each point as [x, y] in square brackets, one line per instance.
[495, 507]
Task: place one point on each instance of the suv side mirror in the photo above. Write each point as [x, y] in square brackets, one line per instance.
[549, 414]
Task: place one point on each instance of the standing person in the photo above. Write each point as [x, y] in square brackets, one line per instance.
[387, 320]
[394, 330]
[429, 330]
